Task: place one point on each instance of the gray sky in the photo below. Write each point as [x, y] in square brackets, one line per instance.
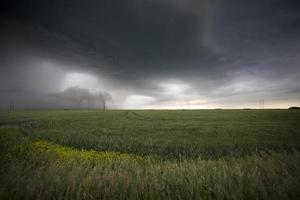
[150, 53]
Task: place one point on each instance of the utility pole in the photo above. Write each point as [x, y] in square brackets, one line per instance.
[262, 104]
[188, 104]
[11, 105]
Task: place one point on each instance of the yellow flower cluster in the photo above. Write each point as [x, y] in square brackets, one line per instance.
[60, 154]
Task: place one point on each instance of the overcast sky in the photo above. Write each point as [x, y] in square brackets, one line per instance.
[136, 54]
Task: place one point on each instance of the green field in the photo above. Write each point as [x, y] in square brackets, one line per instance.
[182, 154]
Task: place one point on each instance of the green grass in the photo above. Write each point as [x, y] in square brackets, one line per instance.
[199, 154]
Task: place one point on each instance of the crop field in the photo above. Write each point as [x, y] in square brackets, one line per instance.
[150, 154]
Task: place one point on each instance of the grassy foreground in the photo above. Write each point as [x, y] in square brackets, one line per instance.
[207, 154]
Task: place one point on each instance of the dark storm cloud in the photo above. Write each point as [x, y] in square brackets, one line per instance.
[161, 50]
[130, 34]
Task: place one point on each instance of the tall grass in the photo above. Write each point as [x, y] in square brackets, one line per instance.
[91, 155]
[42, 170]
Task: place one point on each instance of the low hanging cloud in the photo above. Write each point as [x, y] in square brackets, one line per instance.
[76, 97]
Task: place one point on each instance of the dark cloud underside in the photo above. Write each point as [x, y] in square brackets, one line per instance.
[210, 48]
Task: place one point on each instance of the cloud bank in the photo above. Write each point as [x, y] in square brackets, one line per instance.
[151, 53]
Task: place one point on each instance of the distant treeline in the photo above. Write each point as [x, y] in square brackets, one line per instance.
[294, 107]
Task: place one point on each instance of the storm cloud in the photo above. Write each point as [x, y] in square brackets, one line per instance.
[151, 53]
